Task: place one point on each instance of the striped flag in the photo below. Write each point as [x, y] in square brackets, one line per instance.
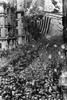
[44, 24]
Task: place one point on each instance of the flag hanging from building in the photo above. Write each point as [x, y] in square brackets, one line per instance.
[44, 24]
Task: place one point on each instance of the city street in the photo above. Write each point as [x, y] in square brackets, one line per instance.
[34, 73]
[33, 62]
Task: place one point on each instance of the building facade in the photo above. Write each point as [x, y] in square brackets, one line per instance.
[7, 26]
[19, 28]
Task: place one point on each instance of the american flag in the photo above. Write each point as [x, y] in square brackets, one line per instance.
[44, 24]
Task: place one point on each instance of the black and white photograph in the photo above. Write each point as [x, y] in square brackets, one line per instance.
[33, 49]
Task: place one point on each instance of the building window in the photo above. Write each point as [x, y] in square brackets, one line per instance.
[7, 10]
[9, 28]
[28, 4]
[16, 23]
[16, 15]
[0, 32]
[16, 31]
[0, 45]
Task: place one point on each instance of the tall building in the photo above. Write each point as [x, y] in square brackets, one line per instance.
[3, 29]
[6, 25]
[20, 15]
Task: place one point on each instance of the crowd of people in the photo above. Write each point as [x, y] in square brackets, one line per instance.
[32, 83]
[31, 80]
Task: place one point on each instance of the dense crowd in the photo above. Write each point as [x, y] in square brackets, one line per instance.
[30, 77]
[33, 83]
